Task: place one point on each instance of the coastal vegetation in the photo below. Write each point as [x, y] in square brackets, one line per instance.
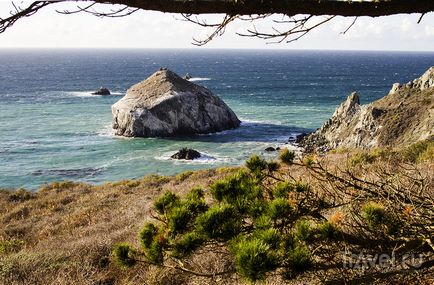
[347, 216]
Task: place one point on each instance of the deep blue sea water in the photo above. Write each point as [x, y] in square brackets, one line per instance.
[52, 129]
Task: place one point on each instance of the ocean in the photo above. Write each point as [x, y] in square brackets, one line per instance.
[52, 129]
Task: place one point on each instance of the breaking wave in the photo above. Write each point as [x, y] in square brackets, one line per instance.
[199, 79]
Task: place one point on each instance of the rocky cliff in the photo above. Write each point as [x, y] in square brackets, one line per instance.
[402, 117]
[168, 105]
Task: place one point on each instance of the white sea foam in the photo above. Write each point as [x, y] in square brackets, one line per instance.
[248, 122]
[108, 131]
[216, 133]
[83, 94]
[199, 79]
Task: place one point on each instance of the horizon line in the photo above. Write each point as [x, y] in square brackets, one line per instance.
[199, 49]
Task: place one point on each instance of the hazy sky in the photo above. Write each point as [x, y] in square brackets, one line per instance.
[146, 29]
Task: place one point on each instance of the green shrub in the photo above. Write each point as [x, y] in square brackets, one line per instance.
[180, 212]
[308, 160]
[282, 189]
[428, 154]
[20, 195]
[154, 254]
[303, 230]
[156, 179]
[12, 245]
[286, 156]
[300, 258]
[362, 158]
[301, 186]
[263, 222]
[419, 152]
[327, 230]
[122, 254]
[220, 221]
[166, 202]
[269, 236]
[178, 216]
[147, 235]
[229, 189]
[279, 208]
[238, 190]
[152, 244]
[288, 242]
[253, 208]
[186, 244]
[195, 194]
[195, 201]
[184, 175]
[254, 258]
[365, 157]
[196, 206]
[374, 213]
[178, 219]
[256, 164]
[272, 166]
[133, 183]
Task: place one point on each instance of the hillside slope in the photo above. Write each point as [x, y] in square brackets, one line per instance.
[402, 117]
[65, 233]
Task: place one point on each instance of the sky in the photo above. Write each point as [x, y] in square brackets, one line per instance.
[148, 29]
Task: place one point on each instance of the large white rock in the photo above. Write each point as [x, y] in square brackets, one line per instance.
[168, 105]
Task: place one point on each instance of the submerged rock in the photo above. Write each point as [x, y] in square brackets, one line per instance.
[186, 153]
[188, 76]
[404, 116]
[101, 91]
[299, 138]
[270, 148]
[168, 105]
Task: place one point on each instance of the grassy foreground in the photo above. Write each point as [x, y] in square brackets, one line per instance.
[65, 233]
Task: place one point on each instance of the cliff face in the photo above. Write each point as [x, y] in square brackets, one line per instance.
[402, 117]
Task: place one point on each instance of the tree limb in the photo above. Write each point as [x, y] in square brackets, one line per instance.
[288, 7]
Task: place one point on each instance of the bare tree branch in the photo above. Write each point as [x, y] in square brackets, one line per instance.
[350, 26]
[420, 19]
[298, 29]
[113, 13]
[21, 13]
[217, 32]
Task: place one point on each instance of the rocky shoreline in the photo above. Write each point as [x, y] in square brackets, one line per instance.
[404, 116]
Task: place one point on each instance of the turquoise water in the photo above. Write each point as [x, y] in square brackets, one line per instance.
[52, 129]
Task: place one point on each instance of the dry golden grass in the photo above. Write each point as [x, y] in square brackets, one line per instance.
[64, 234]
